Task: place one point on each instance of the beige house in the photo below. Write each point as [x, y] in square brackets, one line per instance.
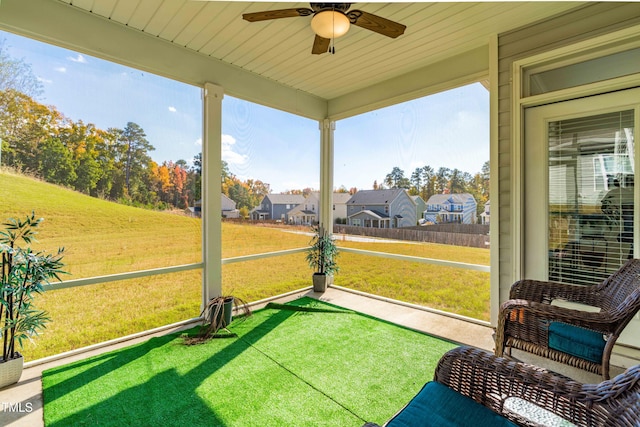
[563, 80]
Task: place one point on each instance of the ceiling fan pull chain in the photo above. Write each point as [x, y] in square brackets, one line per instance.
[333, 39]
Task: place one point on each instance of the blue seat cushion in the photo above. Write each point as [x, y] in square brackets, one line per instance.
[576, 341]
[437, 405]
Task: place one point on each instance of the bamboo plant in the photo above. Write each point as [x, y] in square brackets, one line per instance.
[322, 252]
[23, 276]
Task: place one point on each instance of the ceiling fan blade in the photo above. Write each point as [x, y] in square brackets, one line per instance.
[320, 45]
[376, 23]
[276, 14]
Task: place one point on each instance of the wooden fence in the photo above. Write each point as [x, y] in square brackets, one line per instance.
[432, 234]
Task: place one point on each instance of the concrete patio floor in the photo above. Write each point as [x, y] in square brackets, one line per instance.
[21, 404]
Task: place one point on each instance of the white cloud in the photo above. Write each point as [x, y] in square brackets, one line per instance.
[43, 80]
[78, 58]
[172, 109]
[228, 155]
[61, 69]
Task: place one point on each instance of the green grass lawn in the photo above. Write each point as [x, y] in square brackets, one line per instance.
[306, 363]
[104, 238]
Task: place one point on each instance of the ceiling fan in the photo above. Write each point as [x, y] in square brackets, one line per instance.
[332, 20]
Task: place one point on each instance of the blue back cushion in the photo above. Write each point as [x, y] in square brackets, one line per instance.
[438, 406]
[576, 341]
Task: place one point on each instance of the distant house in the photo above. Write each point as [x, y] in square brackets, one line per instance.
[229, 208]
[391, 208]
[276, 206]
[447, 208]
[340, 206]
[195, 210]
[421, 206]
[306, 213]
[486, 215]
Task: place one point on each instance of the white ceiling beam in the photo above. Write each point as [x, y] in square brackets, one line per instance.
[465, 68]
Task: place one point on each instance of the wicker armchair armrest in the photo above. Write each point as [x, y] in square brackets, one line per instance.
[491, 380]
[531, 313]
[545, 292]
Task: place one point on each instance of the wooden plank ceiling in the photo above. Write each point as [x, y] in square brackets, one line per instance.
[280, 50]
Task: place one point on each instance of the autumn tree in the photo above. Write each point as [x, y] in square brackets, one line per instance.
[179, 180]
[195, 178]
[24, 126]
[85, 142]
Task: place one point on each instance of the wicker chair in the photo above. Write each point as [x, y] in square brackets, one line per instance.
[521, 394]
[582, 339]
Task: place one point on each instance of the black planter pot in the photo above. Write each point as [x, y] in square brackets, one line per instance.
[223, 315]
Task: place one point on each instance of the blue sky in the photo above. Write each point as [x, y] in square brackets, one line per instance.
[449, 129]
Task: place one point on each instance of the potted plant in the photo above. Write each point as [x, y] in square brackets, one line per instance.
[321, 256]
[217, 314]
[24, 274]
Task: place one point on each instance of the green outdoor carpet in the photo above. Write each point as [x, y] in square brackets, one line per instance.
[306, 363]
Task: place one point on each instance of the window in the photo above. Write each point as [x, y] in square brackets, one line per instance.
[598, 69]
[591, 190]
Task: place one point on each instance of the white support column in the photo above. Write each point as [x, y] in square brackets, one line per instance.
[211, 200]
[327, 127]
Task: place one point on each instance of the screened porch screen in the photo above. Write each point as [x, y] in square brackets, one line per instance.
[591, 179]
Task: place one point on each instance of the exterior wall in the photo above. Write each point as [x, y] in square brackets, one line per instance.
[582, 23]
[421, 205]
[229, 208]
[470, 211]
[279, 211]
[267, 206]
[354, 209]
[339, 211]
[404, 206]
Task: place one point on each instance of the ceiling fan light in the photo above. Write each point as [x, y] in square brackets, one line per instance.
[330, 24]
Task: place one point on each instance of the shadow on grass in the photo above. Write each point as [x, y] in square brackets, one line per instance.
[167, 398]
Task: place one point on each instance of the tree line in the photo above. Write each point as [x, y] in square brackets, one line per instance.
[113, 164]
